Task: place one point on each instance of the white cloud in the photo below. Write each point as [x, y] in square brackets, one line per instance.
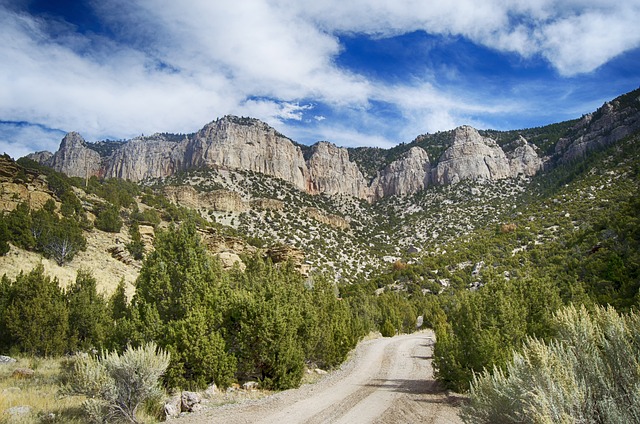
[174, 66]
[18, 140]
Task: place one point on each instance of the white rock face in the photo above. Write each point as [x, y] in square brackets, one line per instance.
[143, 158]
[406, 175]
[249, 144]
[252, 145]
[74, 158]
[524, 160]
[331, 172]
[471, 157]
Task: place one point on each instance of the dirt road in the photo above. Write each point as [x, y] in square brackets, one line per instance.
[388, 380]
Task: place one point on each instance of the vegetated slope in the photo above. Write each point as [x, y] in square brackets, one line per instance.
[577, 243]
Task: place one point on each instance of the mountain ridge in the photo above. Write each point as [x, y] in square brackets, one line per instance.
[249, 144]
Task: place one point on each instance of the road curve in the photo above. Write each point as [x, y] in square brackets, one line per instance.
[388, 380]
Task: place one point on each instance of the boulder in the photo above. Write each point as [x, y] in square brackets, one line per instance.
[190, 401]
[4, 360]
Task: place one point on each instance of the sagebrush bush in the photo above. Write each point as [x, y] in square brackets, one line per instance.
[117, 385]
[589, 374]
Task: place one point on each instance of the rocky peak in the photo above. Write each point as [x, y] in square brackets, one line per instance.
[524, 159]
[471, 156]
[75, 158]
[611, 122]
[331, 172]
[247, 144]
[408, 174]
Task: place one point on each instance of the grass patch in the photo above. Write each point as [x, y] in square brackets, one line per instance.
[39, 393]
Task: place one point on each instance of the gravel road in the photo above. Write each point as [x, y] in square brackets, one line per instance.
[387, 380]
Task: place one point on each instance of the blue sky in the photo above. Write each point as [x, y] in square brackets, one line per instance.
[354, 72]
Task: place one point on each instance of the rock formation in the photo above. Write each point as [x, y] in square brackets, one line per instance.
[471, 157]
[331, 172]
[611, 122]
[217, 200]
[406, 175]
[524, 159]
[327, 218]
[145, 157]
[248, 144]
[74, 158]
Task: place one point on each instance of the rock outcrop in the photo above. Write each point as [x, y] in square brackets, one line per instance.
[74, 157]
[406, 175]
[524, 159]
[217, 200]
[19, 185]
[145, 157]
[248, 144]
[471, 157]
[611, 122]
[331, 172]
[327, 218]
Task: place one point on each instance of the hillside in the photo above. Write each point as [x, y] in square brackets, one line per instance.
[245, 276]
[341, 235]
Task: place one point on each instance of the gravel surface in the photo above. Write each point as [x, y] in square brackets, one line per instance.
[387, 380]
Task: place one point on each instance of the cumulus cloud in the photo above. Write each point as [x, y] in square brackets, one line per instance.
[173, 66]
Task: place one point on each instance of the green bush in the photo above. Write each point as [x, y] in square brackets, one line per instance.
[589, 374]
[108, 219]
[35, 317]
[484, 327]
[387, 329]
[117, 385]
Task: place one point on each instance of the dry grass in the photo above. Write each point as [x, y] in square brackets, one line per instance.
[40, 393]
[106, 270]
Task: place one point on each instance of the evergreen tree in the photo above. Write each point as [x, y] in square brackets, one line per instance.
[5, 236]
[136, 246]
[108, 219]
[36, 317]
[88, 314]
[177, 287]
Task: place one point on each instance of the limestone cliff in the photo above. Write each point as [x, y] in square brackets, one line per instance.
[471, 156]
[74, 157]
[248, 144]
[524, 159]
[610, 123]
[408, 174]
[217, 200]
[145, 157]
[331, 172]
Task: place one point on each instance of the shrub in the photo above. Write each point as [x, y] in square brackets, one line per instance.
[117, 385]
[109, 219]
[589, 374]
[35, 316]
[4, 236]
[387, 329]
